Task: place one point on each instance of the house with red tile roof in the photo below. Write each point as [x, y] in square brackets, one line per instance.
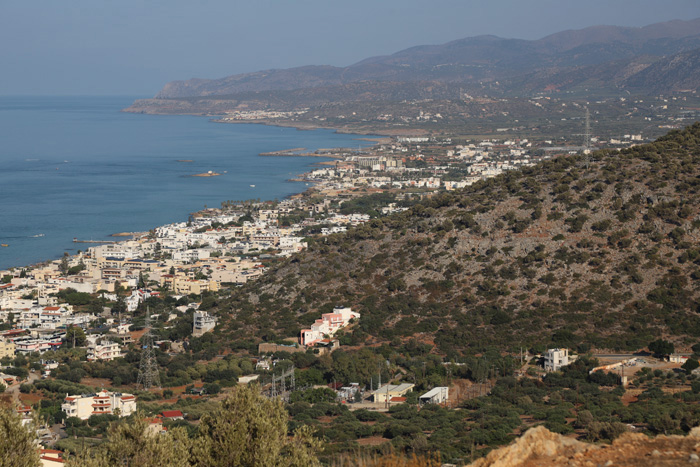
[173, 414]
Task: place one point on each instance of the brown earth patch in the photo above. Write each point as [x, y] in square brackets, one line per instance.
[372, 441]
[97, 383]
[30, 399]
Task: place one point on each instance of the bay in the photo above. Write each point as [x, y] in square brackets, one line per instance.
[77, 167]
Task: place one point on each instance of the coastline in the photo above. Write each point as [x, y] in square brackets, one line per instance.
[299, 178]
[301, 126]
[149, 187]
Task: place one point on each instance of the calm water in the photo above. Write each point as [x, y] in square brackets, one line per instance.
[77, 167]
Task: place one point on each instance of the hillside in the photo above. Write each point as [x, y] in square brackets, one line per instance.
[679, 72]
[573, 252]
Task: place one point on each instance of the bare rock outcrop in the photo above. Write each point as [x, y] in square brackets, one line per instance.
[540, 447]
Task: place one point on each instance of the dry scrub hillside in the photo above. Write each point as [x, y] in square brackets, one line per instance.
[579, 252]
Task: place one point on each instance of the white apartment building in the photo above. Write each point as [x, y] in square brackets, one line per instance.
[554, 359]
[104, 402]
[102, 349]
[27, 346]
[7, 348]
[190, 256]
[50, 317]
[203, 322]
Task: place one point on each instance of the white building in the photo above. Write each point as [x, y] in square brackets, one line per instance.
[190, 256]
[102, 349]
[328, 325]
[104, 402]
[27, 346]
[203, 322]
[438, 395]
[391, 391]
[554, 359]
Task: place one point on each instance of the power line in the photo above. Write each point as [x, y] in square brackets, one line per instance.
[149, 375]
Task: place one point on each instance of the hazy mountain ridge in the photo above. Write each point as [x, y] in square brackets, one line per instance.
[679, 72]
[557, 253]
[468, 60]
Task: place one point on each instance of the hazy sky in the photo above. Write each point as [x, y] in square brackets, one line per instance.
[133, 47]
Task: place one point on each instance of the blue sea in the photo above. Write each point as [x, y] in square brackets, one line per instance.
[78, 167]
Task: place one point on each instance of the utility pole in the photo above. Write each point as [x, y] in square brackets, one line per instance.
[587, 140]
[293, 381]
[586, 161]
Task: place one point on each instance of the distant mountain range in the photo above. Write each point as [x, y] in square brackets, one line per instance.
[662, 57]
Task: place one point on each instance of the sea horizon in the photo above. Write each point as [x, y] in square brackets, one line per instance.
[76, 166]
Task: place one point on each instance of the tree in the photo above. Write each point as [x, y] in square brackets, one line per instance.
[131, 443]
[212, 388]
[17, 448]
[63, 265]
[661, 347]
[250, 429]
[119, 306]
[247, 429]
[690, 365]
[75, 337]
[358, 396]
